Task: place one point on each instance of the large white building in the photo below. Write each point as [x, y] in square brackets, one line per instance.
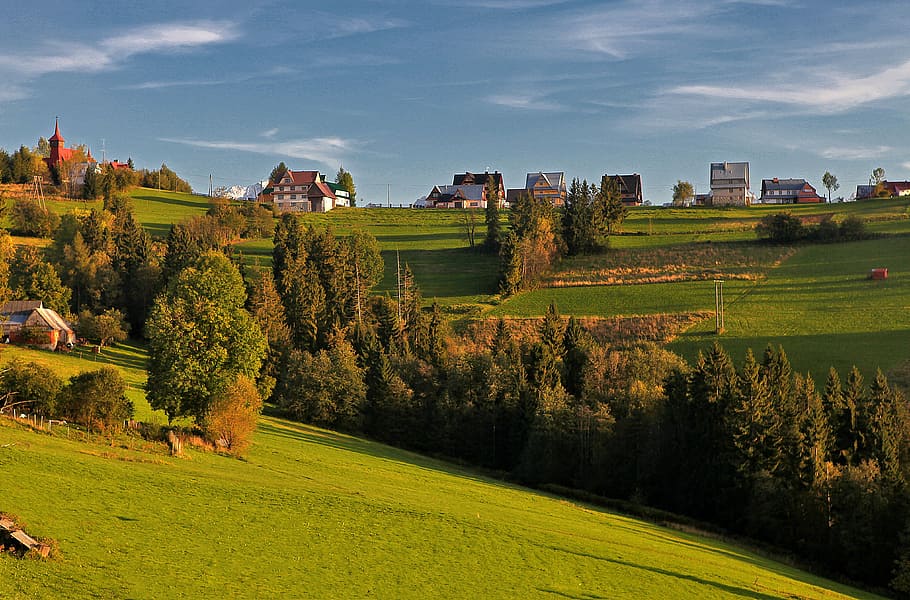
[730, 184]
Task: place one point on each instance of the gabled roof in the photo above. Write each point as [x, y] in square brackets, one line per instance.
[14, 306]
[555, 179]
[469, 178]
[323, 188]
[53, 320]
[730, 170]
[793, 185]
[468, 192]
[299, 177]
[629, 185]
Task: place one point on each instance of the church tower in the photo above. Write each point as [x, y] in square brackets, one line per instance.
[57, 143]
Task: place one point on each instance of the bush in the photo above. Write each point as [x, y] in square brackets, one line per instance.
[231, 417]
[853, 228]
[97, 398]
[32, 383]
[781, 228]
[33, 220]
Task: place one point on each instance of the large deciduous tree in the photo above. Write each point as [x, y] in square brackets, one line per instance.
[201, 338]
[683, 193]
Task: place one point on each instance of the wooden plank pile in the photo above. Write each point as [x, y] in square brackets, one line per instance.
[12, 536]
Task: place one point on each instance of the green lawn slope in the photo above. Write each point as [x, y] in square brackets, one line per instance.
[312, 513]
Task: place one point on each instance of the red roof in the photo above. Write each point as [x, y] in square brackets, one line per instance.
[56, 137]
[326, 190]
[300, 177]
[118, 165]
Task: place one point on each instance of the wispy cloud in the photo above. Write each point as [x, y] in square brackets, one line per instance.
[362, 25]
[621, 29]
[326, 150]
[113, 51]
[855, 152]
[157, 85]
[353, 60]
[829, 93]
[524, 102]
[270, 133]
[508, 4]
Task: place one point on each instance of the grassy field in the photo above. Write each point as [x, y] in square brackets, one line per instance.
[129, 358]
[431, 242]
[821, 307]
[157, 210]
[312, 513]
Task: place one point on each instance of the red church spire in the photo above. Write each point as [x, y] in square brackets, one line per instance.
[57, 137]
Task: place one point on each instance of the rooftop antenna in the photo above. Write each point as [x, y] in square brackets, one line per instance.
[103, 155]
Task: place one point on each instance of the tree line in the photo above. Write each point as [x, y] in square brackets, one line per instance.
[758, 449]
[540, 233]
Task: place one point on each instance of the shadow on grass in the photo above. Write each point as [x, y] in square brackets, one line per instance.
[123, 355]
[444, 273]
[159, 231]
[173, 201]
[718, 586]
[812, 353]
[338, 441]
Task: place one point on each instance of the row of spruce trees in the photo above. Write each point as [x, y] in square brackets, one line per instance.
[756, 449]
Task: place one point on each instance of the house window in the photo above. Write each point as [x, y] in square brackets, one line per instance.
[293, 196]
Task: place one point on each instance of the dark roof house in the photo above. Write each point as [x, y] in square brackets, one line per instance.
[629, 188]
[788, 191]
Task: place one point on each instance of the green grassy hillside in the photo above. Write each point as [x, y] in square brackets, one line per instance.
[312, 513]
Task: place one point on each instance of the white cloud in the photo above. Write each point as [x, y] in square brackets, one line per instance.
[112, 51]
[855, 152]
[168, 37]
[358, 26]
[270, 133]
[326, 150]
[621, 29]
[157, 85]
[523, 101]
[353, 60]
[509, 4]
[830, 93]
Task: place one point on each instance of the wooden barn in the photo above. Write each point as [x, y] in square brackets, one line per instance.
[29, 322]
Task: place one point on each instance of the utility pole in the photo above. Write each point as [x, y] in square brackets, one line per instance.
[398, 272]
[718, 306]
[389, 194]
[211, 186]
[357, 282]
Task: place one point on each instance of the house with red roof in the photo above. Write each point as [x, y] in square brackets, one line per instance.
[300, 191]
[898, 188]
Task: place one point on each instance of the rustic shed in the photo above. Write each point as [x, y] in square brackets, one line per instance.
[879, 273]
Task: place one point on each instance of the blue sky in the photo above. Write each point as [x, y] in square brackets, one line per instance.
[408, 93]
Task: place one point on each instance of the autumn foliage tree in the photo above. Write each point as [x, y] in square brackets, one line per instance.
[230, 418]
